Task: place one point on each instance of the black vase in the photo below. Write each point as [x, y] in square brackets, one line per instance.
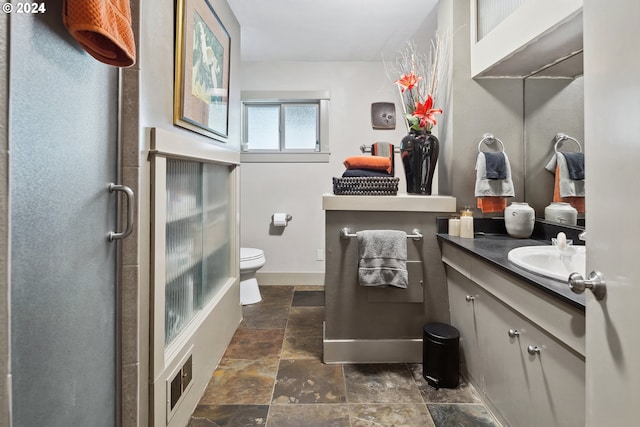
[419, 153]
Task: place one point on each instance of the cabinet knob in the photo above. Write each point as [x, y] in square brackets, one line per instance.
[470, 298]
[513, 333]
[533, 350]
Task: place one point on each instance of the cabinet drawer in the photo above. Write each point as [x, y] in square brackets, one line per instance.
[457, 259]
[566, 323]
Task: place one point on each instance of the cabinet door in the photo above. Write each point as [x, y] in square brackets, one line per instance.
[531, 390]
[556, 378]
[465, 300]
[506, 382]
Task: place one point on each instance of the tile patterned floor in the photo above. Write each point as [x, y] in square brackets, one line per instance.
[272, 375]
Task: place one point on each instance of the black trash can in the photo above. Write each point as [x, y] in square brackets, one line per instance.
[440, 355]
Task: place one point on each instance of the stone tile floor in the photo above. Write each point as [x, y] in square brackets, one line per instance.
[272, 375]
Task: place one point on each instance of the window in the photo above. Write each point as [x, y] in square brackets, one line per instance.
[285, 127]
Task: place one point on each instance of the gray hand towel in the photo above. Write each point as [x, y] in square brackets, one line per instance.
[496, 165]
[575, 165]
[383, 258]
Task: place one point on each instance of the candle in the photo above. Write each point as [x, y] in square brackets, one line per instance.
[466, 227]
[466, 223]
[454, 226]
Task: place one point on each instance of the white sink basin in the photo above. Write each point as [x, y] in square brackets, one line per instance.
[547, 261]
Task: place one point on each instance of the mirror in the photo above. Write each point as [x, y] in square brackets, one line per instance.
[553, 103]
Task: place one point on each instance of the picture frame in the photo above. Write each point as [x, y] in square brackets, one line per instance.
[383, 115]
[202, 62]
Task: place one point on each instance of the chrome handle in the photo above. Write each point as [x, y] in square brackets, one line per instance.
[533, 350]
[346, 233]
[513, 333]
[595, 282]
[129, 193]
[470, 298]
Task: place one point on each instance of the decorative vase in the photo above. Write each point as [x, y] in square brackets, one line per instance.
[419, 153]
[561, 213]
[519, 219]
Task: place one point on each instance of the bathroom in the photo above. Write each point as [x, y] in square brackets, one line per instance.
[296, 254]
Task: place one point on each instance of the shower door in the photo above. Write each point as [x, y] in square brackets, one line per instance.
[63, 152]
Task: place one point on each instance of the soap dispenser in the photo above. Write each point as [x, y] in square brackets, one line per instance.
[466, 222]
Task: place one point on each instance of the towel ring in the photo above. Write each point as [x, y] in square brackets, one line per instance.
[488, 138]
[561, 137]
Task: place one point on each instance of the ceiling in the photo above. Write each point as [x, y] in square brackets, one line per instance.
[330, 30]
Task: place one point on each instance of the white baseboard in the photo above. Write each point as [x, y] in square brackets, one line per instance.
[371, 351]
[268, 278]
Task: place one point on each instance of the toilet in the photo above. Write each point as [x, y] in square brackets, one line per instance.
[251, 260]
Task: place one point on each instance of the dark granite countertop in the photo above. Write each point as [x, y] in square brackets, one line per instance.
[494, 247]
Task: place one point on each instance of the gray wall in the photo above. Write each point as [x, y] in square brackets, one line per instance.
[476, 107]
[524, 114]
[357, 312]
[551, 106]
[147, 102]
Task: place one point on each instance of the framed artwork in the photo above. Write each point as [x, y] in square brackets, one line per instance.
[383, 115]
[201, 86]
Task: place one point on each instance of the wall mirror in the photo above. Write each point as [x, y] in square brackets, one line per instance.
[553, 103]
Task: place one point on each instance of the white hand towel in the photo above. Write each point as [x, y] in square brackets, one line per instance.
[486, 187]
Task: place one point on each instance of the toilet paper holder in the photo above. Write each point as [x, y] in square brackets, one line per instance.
[281, 219]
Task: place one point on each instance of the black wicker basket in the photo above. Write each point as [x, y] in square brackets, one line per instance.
[366, 186]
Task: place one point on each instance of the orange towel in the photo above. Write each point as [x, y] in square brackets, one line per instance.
[492, 204]
[576, 202]
[103, 28]
[368, 162]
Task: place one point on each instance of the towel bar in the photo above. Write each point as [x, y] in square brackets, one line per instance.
[367, 149]
[346, 233]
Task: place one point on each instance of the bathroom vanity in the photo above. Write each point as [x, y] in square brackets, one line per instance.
[522, 336]
[379, 324]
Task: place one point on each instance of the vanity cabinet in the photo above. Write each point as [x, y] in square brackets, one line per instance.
[522, 350]
[369, 324]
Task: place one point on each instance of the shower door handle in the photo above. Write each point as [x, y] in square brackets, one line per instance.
[113, 235]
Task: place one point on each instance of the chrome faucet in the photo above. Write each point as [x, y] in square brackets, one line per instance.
[583, 236]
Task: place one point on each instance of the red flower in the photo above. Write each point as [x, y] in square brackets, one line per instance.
[408, 81]
[426, 113]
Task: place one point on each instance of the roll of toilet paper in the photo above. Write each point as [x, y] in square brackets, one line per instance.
[281, 219]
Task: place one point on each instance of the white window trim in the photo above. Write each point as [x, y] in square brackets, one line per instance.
[289, 156]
